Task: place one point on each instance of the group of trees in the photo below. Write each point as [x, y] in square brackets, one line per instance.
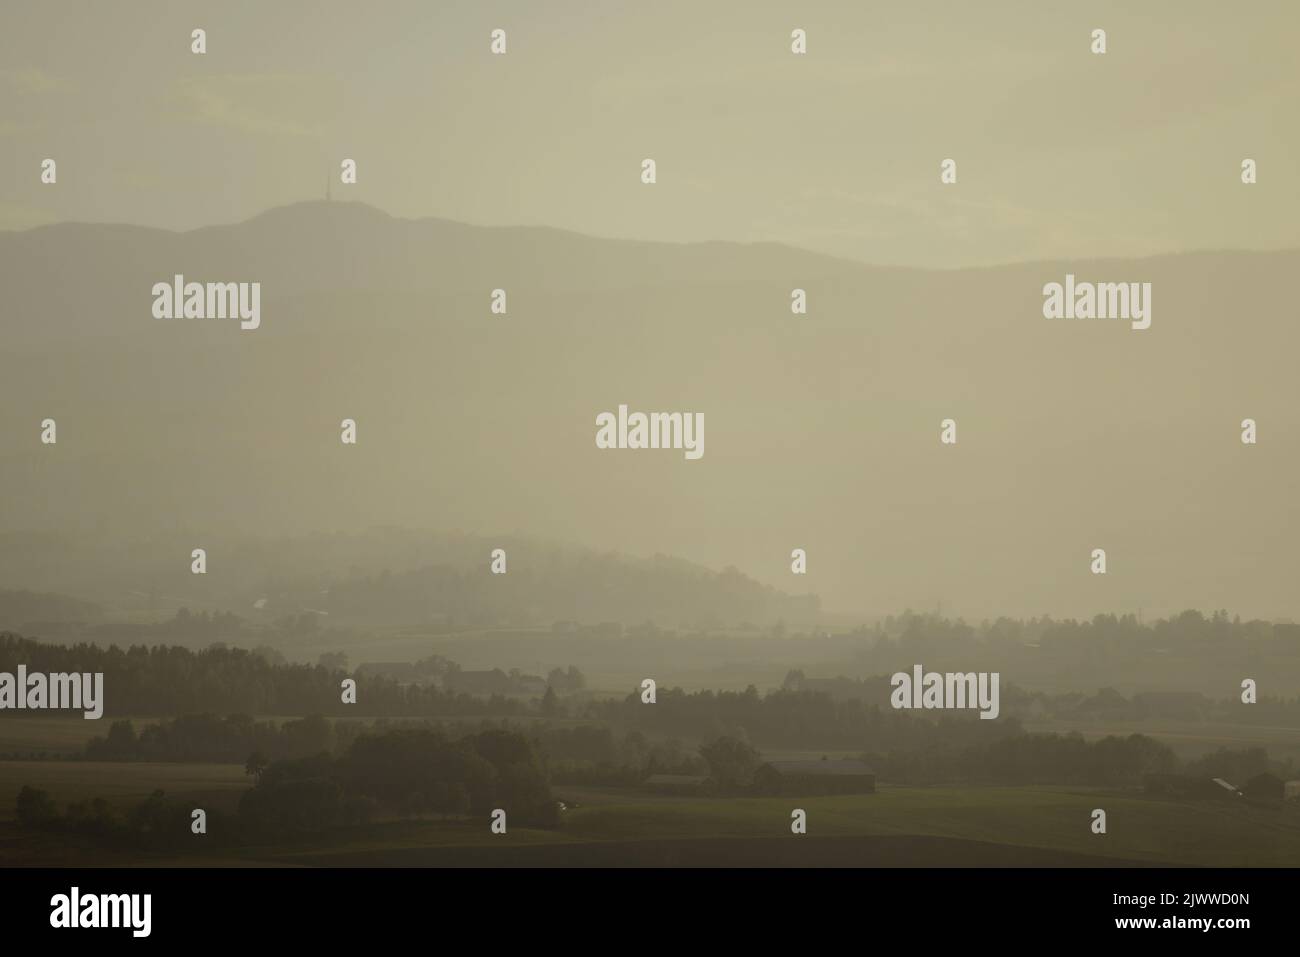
[406, 771]
[547, 586]
[163, 680]
[1105, 705]
[201, 627]
[156, 823]
[901, 748]
[1019, 759]
[731, 761]
[792, 719]
[934, 634]
[566, 682]
[581, 754]
[230, 739]
[1111, 706]
[1111, 761]
[1234, 764]
[1104, 650]
[597, 755]
[394, 773]
[21, 607]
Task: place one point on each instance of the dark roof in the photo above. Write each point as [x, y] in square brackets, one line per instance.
[386, 667]
[820, 767]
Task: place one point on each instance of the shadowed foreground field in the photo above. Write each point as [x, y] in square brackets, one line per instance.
[733, 852]
[896, 827]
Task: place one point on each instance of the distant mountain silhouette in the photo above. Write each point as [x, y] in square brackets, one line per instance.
[383, 576]
[822, 431]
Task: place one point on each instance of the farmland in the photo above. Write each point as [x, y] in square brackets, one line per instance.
[895, 827]
[898, 826]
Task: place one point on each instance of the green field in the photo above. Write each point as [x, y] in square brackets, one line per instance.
[123, 784]
[897, 826]
[52, 734]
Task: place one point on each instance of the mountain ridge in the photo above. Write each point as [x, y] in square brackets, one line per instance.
[362, 208]
[822, 434]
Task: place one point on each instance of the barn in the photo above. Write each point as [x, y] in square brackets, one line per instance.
[815, 777]
[1265, 787]
[676, 784]
[1189, 786]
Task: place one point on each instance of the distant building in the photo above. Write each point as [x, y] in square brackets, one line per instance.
[1227, 787]
[402, 672]
[496, 681]
[1287, 631]
[1265, 787]
[491, 682]
[1291, 790]
[1188, 786]
[675, 783]
[530, 685]
[815, 777]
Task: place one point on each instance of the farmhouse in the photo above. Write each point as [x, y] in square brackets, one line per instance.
[1265, 787]
[815, 777]
[529, 684]
[493, 682]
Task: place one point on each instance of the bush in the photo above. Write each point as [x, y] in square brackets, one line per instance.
[36, 808]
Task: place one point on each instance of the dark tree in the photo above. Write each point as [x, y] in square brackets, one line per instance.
[732, 762]
[256, 764]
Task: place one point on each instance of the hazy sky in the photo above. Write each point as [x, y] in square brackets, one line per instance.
[1060, 152]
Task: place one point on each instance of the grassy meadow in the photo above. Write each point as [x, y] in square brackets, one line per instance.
[604, 826]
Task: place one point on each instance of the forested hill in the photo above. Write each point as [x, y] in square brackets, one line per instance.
[382, 576]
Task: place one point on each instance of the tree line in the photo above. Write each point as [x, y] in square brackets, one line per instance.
[166, 680]
[398, 773]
